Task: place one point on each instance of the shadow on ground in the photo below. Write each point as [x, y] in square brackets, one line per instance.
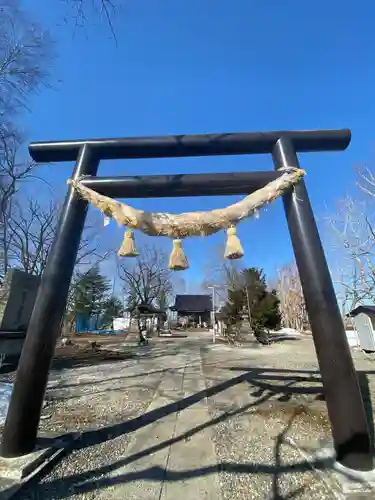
[68, 358]
[286, 387]
[268, 383]
[93, 480]
[89, 358]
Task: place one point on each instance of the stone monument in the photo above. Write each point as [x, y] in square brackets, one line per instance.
[17, 298]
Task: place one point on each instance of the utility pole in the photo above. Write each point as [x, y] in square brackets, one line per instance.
[213, 312]
[248, 306]
[213, 288]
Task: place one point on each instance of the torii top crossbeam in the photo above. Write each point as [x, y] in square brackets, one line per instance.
[172, 146]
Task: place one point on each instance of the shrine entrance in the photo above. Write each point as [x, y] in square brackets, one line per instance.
[343, 397]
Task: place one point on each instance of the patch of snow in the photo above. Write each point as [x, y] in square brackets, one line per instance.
[5, 394]
[288, 332]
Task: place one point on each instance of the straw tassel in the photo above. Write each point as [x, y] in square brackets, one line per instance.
[128, 245]
[177, 259]
[233, 249]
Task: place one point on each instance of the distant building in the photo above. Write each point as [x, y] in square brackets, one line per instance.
[149, 310]
[366, 310]
[195, 308]
[364, 323]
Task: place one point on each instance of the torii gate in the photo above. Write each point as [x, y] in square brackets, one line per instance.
[343, 397]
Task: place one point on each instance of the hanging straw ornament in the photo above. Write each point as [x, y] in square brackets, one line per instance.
[177, 259]
[233, 249]
[189, 223]
[128, 245]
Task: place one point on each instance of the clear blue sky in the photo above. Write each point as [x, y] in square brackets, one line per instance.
[215, 66]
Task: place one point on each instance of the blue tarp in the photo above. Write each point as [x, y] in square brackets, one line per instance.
[94, 325]
[88, 323]
[103, 332]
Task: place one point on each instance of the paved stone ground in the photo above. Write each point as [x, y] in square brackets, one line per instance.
[185, 419]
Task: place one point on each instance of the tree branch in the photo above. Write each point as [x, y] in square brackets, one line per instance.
[147, 278]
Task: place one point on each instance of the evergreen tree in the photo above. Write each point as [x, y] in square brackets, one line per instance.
[249, 295]
[112, 308]
[91, 293]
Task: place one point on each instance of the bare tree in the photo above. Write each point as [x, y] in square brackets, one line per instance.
[13, 172]
[31, 231]
[81, 9]
[32, 228]
[25, 50]
[221, 272]
[353, 244]
[290, 294]
[148, 278]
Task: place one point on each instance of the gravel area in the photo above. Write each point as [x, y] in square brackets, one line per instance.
[101, 400]
[247, 402]
[269, 403]
[277, 395]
